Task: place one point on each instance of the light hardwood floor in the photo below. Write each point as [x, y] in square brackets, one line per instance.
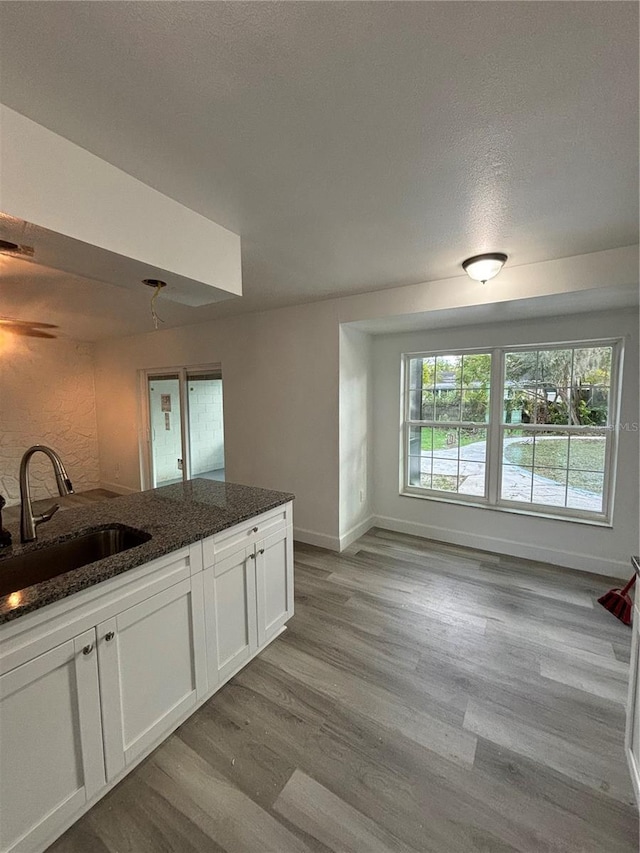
[425, 698]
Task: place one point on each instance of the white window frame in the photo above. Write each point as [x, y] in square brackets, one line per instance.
[419, 491]
[496, 430]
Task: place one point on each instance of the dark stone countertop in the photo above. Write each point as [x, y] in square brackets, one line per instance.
[175, 516]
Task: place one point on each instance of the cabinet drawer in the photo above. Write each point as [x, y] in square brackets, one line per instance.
[225, 543]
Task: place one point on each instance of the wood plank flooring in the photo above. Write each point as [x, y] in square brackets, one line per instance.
[425, 698]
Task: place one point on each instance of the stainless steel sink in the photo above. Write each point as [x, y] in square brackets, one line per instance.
[52, 560]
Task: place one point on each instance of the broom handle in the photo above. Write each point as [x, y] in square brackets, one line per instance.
[628, 586]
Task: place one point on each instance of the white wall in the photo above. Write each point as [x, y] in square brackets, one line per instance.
[282, 380]
[206, 425]
[47, 397]
[355, 433]
[280, 372]
[562, 542]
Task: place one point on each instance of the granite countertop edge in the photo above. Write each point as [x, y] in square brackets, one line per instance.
[175, 516]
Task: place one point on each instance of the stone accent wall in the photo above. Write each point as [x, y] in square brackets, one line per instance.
[47, 396]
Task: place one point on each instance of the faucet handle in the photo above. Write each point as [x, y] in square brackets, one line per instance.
[47, 515]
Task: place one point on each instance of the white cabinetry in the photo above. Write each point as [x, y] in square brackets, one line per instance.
[51, 760]
[248, 590]
[230, 608]
[274, 583]
[90, 684]
[632, 740]
[151, 666]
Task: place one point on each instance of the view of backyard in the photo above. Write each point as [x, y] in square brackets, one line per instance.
[449, 396]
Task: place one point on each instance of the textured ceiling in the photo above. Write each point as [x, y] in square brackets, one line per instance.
[353, 146]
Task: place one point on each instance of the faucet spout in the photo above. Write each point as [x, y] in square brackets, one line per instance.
[29, 522]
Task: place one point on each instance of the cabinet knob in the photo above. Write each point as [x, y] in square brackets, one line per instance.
[255, 530]
[88, 649]
[252, 556]
[261, 551]
[109, 636]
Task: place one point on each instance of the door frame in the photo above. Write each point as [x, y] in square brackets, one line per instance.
[144, 416]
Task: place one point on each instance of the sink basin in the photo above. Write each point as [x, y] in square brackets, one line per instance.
[45, 563]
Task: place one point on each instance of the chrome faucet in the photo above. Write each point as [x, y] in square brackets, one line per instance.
[29, 521]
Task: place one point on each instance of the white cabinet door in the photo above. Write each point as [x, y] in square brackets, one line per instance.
[230, 611]
[152, 670]
[274, 583]
[51, 759]
[633, 707]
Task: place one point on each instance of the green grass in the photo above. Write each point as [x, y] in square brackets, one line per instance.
[436, 439]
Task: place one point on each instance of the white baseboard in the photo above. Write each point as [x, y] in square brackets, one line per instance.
[312, 537]
[498, 545]
[356, 532]
[119, 488]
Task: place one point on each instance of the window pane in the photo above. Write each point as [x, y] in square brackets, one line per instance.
[417, 438]
[472, 459]
[518, 449]
[554, 368]
[448, 371]
[521, 368]
[475, 405]
[415, 373]
[473, 445]
[472, 484]
[516, 483]
[590, 405]
[585, 491]
[476, 370]
[448, 404]
[587, 453]
[415, 471]
[428, 405]
[447, 483]
[549, 486]
[415, 405]
[551, 451]
[592, 366]
[445, 442]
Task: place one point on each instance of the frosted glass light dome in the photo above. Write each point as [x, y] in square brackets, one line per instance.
[484, 267]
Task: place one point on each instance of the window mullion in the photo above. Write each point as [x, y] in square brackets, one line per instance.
[494, 438]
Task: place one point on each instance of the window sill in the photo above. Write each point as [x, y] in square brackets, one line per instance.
[513, 510]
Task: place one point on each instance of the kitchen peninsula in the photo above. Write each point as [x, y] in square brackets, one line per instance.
[122, 650]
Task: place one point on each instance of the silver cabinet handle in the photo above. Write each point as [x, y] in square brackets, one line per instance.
[261, 551]
[88, 649]
[109, 636]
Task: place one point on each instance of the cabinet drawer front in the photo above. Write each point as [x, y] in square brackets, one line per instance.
[223, 544]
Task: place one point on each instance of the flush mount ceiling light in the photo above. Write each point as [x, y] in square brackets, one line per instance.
[483, 267]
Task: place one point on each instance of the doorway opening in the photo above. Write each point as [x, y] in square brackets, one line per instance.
[183, 432]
